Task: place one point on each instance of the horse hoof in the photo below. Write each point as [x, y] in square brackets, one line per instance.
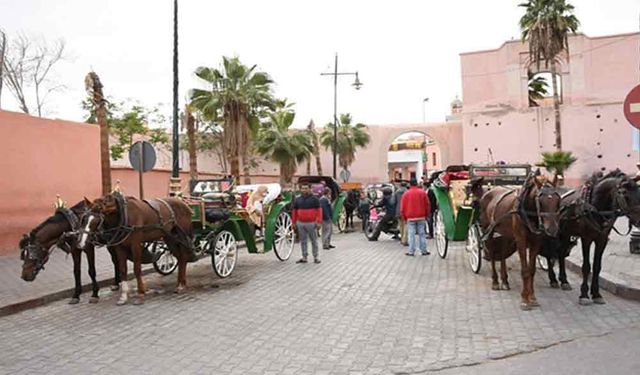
[121, 302]
[495, 287]
[534, 303]
[505, 287]
[138, 301]
[179, 290]
[114, 287]
[599, 301]
[584, 301]
[566, 286]
[94, 299]
[74, 301]
[525, 306]
[554, 285]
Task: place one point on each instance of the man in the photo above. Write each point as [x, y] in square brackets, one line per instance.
[307, 216]
[389, 204]
[327, 222]
[415, 208]
[364, 207]
[398, 198]
[434, 204]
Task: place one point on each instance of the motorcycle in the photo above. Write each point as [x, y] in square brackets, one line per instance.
[375, 220]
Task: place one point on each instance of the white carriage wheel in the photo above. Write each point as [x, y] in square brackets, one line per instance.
[442, 242]
[473, 247]
[224, 253]
[167, 263]
[283, 236]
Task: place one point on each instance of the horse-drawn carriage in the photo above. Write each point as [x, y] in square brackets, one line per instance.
[457, 212]
[338, 197]
[220, 220]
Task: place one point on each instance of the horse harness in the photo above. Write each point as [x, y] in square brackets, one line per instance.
[119, 234]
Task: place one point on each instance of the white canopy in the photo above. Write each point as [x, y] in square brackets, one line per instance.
[273, 191]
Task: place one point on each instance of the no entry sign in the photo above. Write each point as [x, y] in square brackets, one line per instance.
[632, 107]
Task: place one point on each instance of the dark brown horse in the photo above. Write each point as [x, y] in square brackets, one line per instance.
[57, 231]
[124, 223]
[589, 214]
[521, 219]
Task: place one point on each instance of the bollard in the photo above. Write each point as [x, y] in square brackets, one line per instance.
[634, 242]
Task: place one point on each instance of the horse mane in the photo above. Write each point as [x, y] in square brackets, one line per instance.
[57, 218]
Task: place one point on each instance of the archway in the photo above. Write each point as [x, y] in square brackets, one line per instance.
[413, 154]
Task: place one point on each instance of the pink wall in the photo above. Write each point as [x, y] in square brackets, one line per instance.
[39, 159]
[596, 79]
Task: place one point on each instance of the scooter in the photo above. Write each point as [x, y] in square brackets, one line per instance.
[375, 219]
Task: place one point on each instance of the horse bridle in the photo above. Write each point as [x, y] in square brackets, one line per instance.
[109, 236]
[34, 250]
[548, 190]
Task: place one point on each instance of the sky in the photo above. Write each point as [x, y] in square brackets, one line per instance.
[404, 51]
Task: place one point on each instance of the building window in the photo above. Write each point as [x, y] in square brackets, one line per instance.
[433, 157]
[540, 88]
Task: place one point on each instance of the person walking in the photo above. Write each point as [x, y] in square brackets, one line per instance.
[415, 208]
[327, 222]
[307, 216]
[398, 198]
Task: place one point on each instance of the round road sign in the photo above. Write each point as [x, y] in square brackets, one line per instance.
[632, 107]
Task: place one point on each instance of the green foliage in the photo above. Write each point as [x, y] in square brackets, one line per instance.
[538, 88]
[557, 161]
[277, 142]
[546, 25]
[125, 121]
[350, 138]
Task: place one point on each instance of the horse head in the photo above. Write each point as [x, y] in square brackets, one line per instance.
[546, 199]
[36, 246]
[95, 215]
[628, 199]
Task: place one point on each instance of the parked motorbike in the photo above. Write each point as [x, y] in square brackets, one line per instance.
[375, 221]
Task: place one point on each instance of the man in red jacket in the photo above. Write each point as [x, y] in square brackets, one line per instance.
[307, 217]
[415, 208]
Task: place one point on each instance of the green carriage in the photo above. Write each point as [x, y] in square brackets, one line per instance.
[220, 223]
[456, 215]
[338, 197]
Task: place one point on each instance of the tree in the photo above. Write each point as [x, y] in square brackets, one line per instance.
[350, 138]
[557, 161]
[277, 142]
[98, 105]
[238, 95]
[189, 122]
[311, 128]
[538, 88]
[546, 25]
[3, 50]
[28, 64]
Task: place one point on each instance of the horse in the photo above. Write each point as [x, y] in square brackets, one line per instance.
[124, 223]
[350, 205]
[590, 214]
[58, 231]
[522, 219]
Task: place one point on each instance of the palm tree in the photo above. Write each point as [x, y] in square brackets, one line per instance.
[99, 103]
[350, 137]
[557, 161]
[546, 25]
[189, 122]
[238, 95]
[311, 128]
[286, 147]
[538, 88]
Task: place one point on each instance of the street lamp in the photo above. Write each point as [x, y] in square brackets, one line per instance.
[356, 84]
[424, 103]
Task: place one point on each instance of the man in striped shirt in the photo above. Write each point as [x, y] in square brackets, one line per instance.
[307, 217]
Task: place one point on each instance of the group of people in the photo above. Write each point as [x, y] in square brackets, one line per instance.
[411, 205]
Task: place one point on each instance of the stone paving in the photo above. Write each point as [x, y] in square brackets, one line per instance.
[367, 309]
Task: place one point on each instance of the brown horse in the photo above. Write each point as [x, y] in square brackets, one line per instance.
[124, 223]
[522, 219]
[57, 231]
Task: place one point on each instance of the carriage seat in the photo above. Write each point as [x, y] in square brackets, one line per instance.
[458, 193]
[216, 214]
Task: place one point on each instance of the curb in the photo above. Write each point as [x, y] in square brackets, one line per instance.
[610, 283]
[17, 307]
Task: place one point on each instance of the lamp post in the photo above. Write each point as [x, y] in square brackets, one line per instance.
[424, 114]
[356, 84]
[174, 185]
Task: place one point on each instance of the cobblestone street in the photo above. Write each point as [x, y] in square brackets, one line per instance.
[367, 309]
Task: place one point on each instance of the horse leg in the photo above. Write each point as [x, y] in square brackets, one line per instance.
[116, 272]
[504, 275]
[91, 262]
[122, 268]
[533, 254]
[494, 276]
[521, 243]
[601, 244]
[182, 272]
[553, 281]
[136, 251]
[76, 255]
[586, 268]
[564, 284]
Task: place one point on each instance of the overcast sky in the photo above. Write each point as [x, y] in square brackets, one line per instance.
[404, 50]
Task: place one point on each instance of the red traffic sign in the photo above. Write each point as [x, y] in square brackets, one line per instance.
[632, 107]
